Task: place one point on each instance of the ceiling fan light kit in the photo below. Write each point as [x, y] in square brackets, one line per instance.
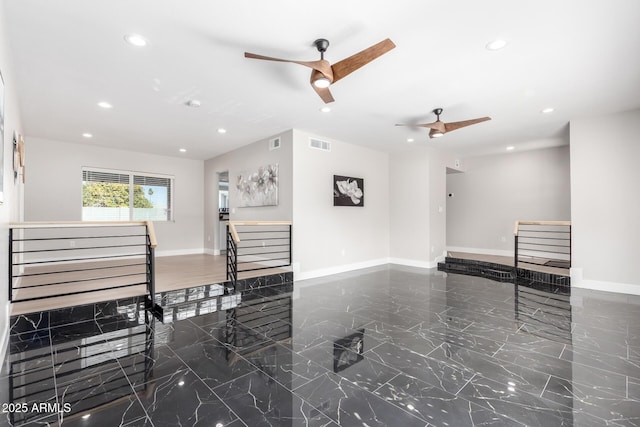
[322, 82]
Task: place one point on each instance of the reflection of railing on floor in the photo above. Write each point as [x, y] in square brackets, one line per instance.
[257, 245]
[542, 243]
[544, 314]
[259, 323]
[89, 359]
[56, 259]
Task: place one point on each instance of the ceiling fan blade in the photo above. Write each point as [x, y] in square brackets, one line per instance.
[348, 65]
[324, 93]
[321, 65]
[435, 125]
[457, 125]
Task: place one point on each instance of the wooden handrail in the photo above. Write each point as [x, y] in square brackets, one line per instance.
[260, 222]
[152, 234]
[519, 223]
[70, 224]
[234, 232]
[79, 224]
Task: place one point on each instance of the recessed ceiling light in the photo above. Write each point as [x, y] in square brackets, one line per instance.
[181, 383]
[410, 139]
[135, 40]
[496, 44]
[325, 109]
[511, 147]
[195, 103]
[221, 130]
[87, 135]
[104, 104]
[547, 110]
[183, 150]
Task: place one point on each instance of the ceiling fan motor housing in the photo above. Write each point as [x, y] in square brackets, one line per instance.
[321, 45]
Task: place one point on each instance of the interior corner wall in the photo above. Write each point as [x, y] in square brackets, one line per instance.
[409, 208]
[417, 207]
[496, 190]
[53, 188]
[248, 159]
[11, 207]
[330, 239]
[605, 202]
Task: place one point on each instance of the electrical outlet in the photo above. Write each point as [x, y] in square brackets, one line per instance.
[504, 239]
[72, 243]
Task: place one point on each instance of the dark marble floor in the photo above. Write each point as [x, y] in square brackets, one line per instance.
[389, 346]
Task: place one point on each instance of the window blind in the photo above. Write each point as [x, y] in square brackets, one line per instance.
[126, 196]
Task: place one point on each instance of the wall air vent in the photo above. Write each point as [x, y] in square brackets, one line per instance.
[319, 145]
[274, 143]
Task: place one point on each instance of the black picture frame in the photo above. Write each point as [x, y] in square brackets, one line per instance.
[348, 191]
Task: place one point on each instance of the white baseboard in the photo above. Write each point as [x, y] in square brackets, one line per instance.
[179, 252]
[619, 288]
[577, 281]
[482, 251]
[337, 269]
[211, 251]
[414, 263]
[360, 265]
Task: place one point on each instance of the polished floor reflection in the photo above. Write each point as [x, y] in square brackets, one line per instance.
[388, 346]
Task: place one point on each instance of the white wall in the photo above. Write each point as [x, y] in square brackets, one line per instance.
[409, 208]
[326, 238]
[418, 206]
[605, 202]
[53, 188]
[246, 159]
[494, 191]
[10, 209]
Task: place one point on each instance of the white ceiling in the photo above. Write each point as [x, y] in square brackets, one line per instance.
[581, 57]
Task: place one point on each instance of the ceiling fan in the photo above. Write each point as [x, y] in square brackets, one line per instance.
[439, 128]
[324, 74]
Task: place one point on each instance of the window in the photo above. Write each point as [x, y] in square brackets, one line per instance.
[126, 196]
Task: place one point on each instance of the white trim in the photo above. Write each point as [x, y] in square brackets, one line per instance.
[337, 269]
[213, 252]
[614, 287]
[577, 281]
[178, 252]
[498, 252]
[414, 262]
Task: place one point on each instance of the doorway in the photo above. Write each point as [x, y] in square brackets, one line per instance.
[223, 210]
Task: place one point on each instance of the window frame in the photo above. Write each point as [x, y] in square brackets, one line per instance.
[132, 177]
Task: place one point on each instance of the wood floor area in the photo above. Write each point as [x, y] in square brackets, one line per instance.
[180, 272]
[172, 272]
